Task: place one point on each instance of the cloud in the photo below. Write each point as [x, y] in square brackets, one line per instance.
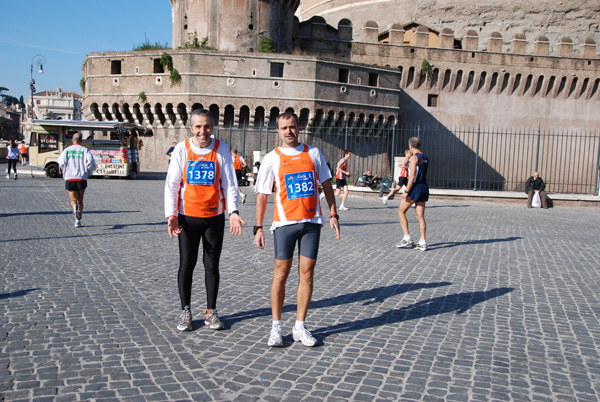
[48, 48]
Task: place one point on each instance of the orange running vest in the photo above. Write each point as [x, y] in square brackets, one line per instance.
[339, 174]
[297, 197]
[237, 162]
[201, 195]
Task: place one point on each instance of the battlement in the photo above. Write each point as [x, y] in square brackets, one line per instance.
[413, 34]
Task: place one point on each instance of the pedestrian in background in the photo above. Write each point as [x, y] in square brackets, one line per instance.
[239, 164]
[340, 179]
[77, 164]
[13, 156]
[417, 192]
[23, 150]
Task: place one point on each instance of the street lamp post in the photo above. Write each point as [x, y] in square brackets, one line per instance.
[37, 60]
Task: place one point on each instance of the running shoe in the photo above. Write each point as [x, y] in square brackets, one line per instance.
[211, 319]
[8, 176]
[15, 176]
[77, 211]
[385, 200]
[405, 243]
[343, 208]
[421, 246]
[275, 339]
[243, 198]
[184, 320]
[77, 223]
[304, 336]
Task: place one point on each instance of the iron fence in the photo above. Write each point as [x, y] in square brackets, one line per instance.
[472, 158]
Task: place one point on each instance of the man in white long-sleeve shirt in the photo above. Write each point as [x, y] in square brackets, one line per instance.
[200, 186]
[76, 163]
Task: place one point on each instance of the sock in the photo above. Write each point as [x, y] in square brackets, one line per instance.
[276, 323]
[406, 237]
[421, 241]
[299, 324]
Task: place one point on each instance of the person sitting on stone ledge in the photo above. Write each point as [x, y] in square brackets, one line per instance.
[535, 184]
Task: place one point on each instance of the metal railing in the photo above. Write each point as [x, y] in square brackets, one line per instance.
[473, 158]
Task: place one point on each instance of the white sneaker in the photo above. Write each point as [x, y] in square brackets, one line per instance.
[405, 243]
[322, 196]
[8, 176]
[212, 320]
[184, 320]
[275, 339]
[302, 335]
[342, 208]
[421, 246]
[385, 200]
[77, 223]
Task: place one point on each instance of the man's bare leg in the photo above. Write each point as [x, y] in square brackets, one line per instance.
[306, 268]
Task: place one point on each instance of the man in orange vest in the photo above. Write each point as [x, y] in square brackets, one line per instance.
[295, 168]
[23, 150]
[200, 186]
[340, 178]
[239, 163]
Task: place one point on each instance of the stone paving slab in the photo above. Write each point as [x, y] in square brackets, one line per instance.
[503, 306]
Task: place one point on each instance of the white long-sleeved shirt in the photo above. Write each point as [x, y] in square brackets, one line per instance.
[76, 163]
[227, 180]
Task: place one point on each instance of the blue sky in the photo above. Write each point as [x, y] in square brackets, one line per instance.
[65, 31]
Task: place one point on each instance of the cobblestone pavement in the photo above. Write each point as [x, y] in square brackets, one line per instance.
[503, 306]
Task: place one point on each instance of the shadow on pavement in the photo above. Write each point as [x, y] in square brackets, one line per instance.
[459, 303]
[370, 296]
[17, 293]
[43, 213]
[436, 246]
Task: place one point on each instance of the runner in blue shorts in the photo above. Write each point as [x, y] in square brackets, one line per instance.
[417, 192]
[297, 219]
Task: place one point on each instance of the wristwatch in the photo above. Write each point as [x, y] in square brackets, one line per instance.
[256, 229]
[234, 212]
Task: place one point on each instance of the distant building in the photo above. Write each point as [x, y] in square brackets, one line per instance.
[56, 105]
[10, 122]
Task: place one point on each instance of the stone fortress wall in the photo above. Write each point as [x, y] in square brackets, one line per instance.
[551, 18]
[501, 85]
[331, 80]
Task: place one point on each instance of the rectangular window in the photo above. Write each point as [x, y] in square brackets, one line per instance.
[277, 70]
[48, 142]
[432, 100]
[158, 68]
[115, 66]
[343, 76]
[373, 79]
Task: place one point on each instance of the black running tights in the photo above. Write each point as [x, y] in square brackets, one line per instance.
[210, 231]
